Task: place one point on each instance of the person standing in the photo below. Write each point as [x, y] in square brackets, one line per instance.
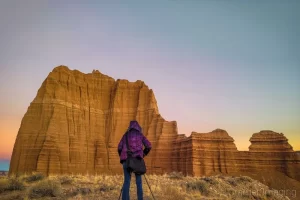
[136, 141]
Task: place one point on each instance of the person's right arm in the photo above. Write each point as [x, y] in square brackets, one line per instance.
[120, 146]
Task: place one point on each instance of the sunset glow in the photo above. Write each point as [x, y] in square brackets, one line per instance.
[233, 66]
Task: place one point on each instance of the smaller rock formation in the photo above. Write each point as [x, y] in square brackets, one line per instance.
[271, 151]
[216, 140]
[204, 153]
[269, 141]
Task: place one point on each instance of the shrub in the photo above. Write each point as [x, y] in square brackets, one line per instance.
[105, 186]
[34, 177]
[65, 180]
[245, 179]
[171, 193]
[246, 195]
[45, 188]
[14, 184]
[210, 180]
[84, 190]
[232, 181]
[200, 185]
[176, 175]
[230, 191]
[220, 176]
[269, 195]
[70, 192]
[15, 195]
[3, 184]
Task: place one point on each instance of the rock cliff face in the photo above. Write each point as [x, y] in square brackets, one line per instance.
[76, 121]
[204, 154]
[271, 151]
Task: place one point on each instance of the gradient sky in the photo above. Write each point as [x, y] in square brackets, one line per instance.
[212, 64]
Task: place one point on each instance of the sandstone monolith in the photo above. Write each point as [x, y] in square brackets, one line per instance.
[76, 121]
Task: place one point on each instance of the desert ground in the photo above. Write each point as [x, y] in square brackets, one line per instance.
[168, 186]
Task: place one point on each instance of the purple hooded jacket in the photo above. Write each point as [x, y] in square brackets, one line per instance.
[136, 140]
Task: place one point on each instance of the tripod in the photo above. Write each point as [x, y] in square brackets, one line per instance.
[147, 184]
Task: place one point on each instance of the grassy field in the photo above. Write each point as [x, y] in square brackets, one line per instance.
[171, 186]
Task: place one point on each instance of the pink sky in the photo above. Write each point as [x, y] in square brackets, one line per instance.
[211, 64]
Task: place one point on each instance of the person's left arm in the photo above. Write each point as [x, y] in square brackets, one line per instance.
[147, 145]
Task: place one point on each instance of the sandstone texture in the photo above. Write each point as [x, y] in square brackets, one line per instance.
[269, 141]
[76, 121]
[205, 154]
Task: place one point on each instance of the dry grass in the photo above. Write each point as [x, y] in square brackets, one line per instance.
[45, 188]
[3, 184]
[34, 177]
[11, 184]
[199, 185]
[173, 186]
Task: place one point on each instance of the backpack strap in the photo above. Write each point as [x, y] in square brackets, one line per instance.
[128, 148]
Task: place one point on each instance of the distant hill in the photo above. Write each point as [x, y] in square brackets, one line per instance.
[4, 165]
[3, 173]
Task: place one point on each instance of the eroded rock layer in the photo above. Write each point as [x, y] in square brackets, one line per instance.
[76, 120]
[211, 153]
[204, 153]
[269, 141]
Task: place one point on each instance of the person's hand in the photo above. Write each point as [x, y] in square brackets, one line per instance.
[146, 151]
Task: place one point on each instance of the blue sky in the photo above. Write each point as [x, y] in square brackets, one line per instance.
[4, 165]
[212, 64]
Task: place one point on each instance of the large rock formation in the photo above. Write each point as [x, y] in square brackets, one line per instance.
[76, 121]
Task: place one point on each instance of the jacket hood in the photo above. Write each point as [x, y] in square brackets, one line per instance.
[135, 125]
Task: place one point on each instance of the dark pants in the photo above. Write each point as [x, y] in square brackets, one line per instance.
[126, 185]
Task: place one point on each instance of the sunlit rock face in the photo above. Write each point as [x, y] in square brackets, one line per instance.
[270, 150]
[269, 141]
[76, 121]
[204, 154]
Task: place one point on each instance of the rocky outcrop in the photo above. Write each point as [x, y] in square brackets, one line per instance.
[76, 121]
[204, 154]
[269, 141]
[271, 151]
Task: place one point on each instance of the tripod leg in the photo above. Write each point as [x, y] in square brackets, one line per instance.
[149, 186]
[120, 193]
